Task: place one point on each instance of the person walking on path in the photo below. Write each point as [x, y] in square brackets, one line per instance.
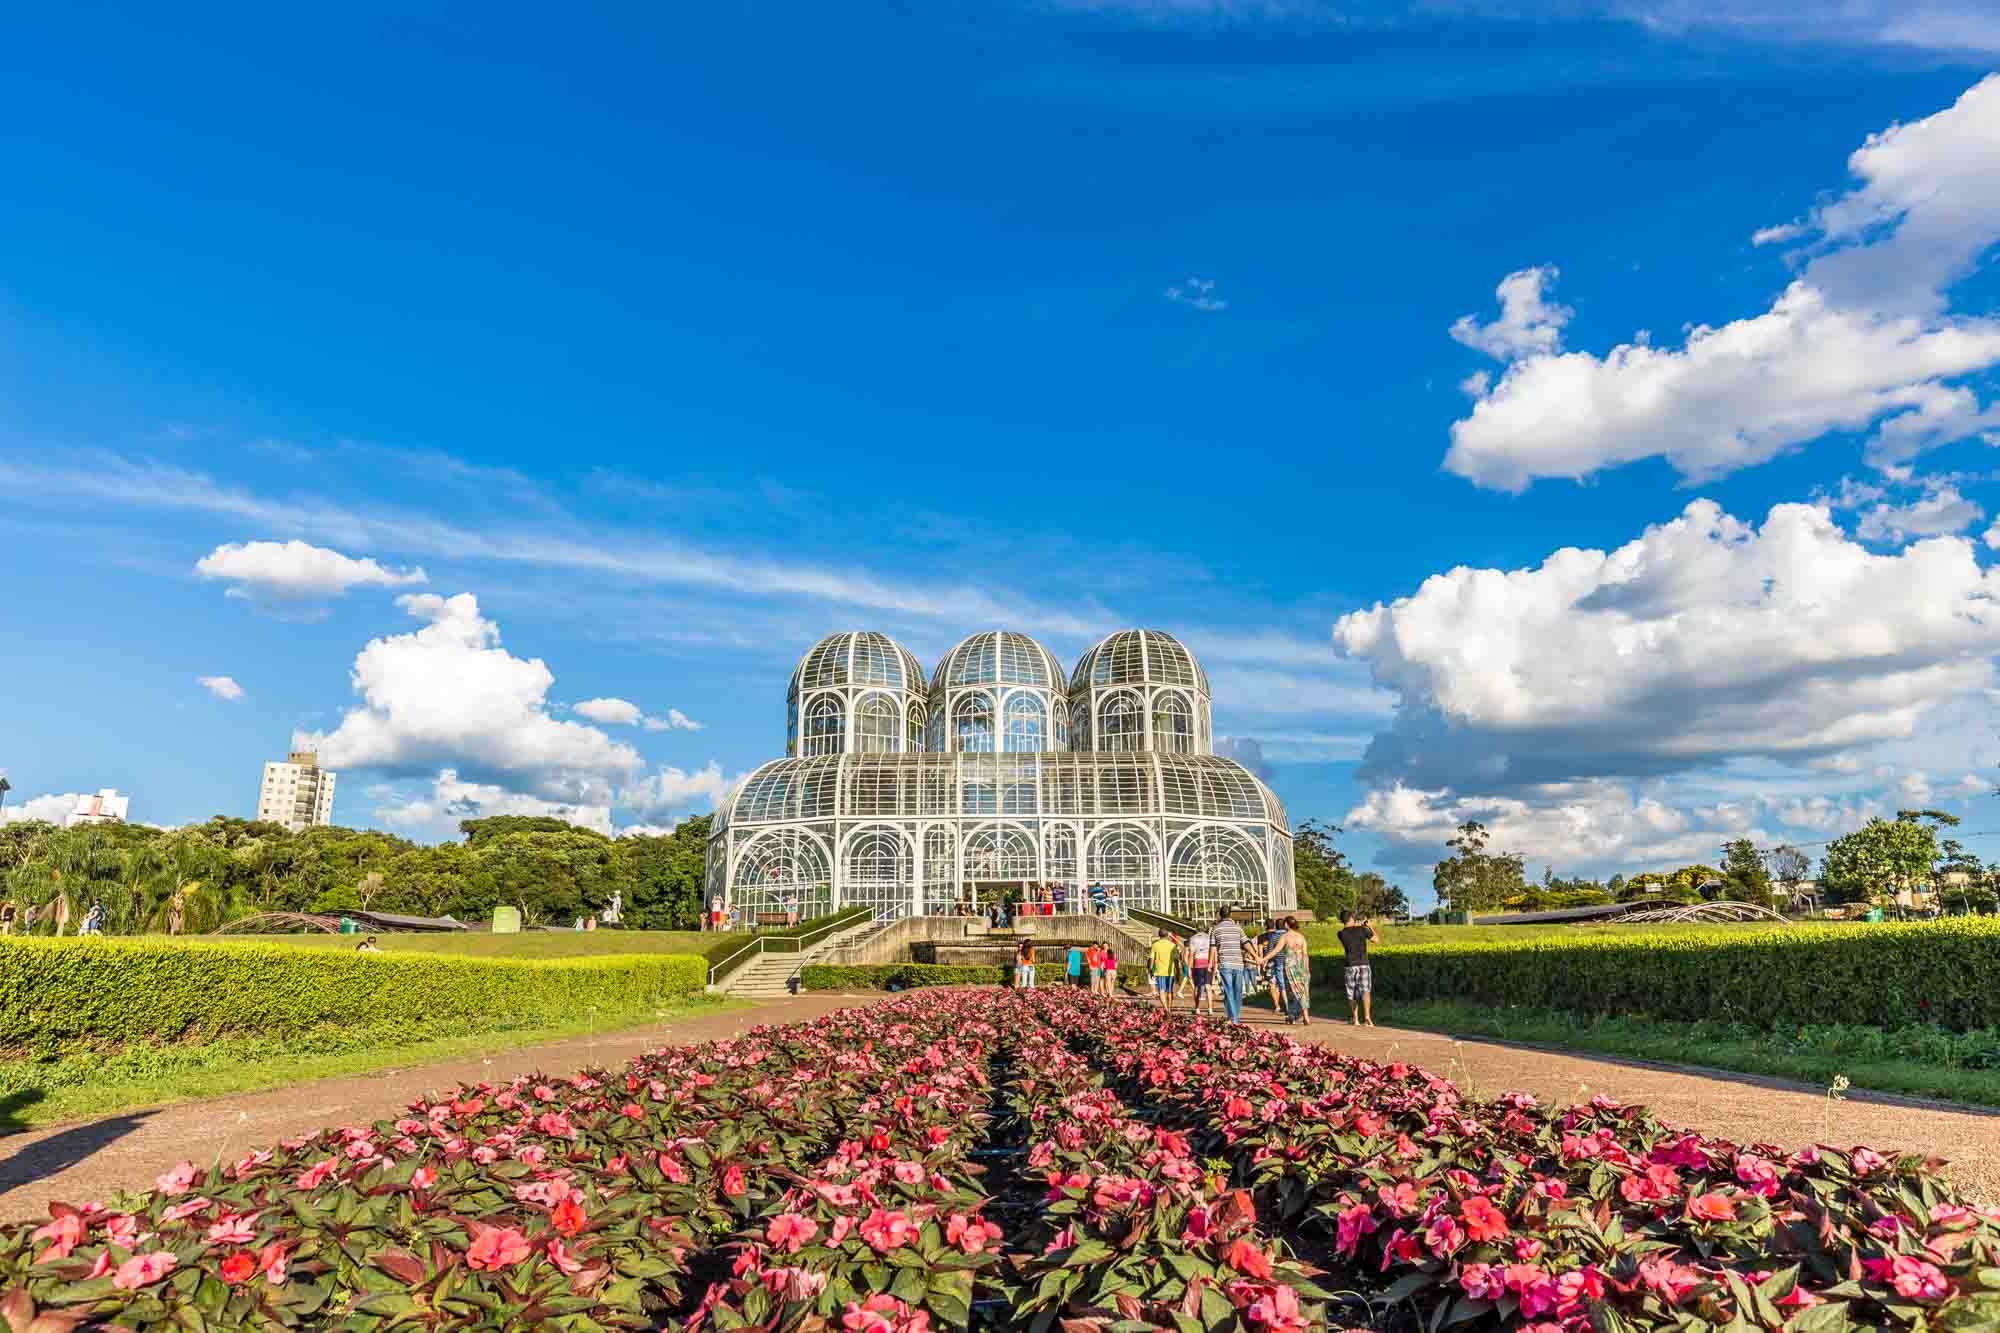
[1075, 962]
[1355, 937]
[1293, 962]
[1165, 954]
[1230, 946]
[1201, 962]
[1024, 965]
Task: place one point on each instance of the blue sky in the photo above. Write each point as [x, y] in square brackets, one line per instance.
[673, 340]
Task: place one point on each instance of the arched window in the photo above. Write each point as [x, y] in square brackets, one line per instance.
[1061, 737]
[1214, 867]
[1173, 723]
[878, 870]
[783, 870]
[1121, 723]
[826, 726]
[916, 728]
[972, 721]
[1027, 724]
[877, 725]
[940, 870]
[1122, 855]
[1061, 846]
[1002, 852]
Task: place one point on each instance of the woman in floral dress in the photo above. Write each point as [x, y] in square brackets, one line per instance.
[1295, 962]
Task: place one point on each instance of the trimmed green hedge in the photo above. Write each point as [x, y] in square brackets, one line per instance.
[127, 990]
[912, 975]
[1887, 975]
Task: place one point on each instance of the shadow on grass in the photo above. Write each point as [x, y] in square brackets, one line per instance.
[13, 1104]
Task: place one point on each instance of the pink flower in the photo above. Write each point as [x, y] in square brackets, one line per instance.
[1279, 1309]
[1578, 1286]
[423, 1177]
[123, 1231]
[732, 1181]
[497, 1247]
[1444, 1236]
[142, 1270]
[971, 1234]
[1528, 1249]
[1400, 1199]
[186, 1209]
[1915, 1280]
[64, 1234]
[534, 1154]
[311, 1178]
[886, 1231]
[1757, 1175]
[562, 1258]
[271, 1263]
[1673, 1281]
[1712, 1207]
[1865, 1160]
[790, 1232]
[1483, 1282]
[1355, 1222]
[177, 1180]
[232, 1229]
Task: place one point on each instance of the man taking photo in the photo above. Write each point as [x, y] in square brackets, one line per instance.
[1355, 937]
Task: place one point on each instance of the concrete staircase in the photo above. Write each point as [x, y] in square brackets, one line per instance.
[764, 977]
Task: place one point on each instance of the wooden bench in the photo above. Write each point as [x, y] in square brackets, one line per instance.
[772, 918]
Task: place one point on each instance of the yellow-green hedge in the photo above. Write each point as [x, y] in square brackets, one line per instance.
[113, 990]
[1887, 975]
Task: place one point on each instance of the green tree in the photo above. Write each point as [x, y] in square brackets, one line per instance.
[1325, 880]
[1881, 859]
[1474, 879]
[1744, 875]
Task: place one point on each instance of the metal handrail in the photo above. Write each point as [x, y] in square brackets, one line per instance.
[720, 968]
[1146, 916]
[875, 923]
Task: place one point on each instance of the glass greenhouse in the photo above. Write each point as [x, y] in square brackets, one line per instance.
[1000, 772]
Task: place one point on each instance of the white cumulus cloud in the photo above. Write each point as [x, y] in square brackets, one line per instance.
[52, 808]
[293, 572]
[1703, 640]
[1862, 337]
[672, 789]
[1940, 509]
[449, 696]
[1529, 323]
[222, 687]
[452, 799]
[615, 712]
[675, 720]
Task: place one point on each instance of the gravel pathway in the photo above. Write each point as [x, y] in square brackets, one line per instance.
[96, 1158]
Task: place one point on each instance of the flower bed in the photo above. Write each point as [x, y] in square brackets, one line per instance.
[1156, 1172]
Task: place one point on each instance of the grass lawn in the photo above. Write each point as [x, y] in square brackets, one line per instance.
[1323, 937]
[1916, 1062]
[78, 1086]
[527, 944]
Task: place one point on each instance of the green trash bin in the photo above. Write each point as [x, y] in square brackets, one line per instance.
[1874, 914]
[348, 926]
[1458, 918]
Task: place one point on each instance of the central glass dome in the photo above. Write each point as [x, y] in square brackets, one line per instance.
[998, 692]
[1140, 689]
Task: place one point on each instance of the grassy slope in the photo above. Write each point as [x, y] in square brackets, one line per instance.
[527, 944]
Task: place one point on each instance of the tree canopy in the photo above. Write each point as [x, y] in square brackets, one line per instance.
[200, 876]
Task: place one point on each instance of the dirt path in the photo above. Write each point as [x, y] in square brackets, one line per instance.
[94, 1159]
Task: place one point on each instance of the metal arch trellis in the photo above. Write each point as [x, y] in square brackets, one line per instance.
[1689, 913]
[270, 923]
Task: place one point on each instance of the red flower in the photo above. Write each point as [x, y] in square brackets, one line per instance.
[238, 1267]
[885, 1231]
[1482, 1220]
[790, 1232]
[732, 1181]
[567, 1216]
[1247, 1258]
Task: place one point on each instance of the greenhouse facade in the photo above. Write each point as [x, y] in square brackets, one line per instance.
[999, 772]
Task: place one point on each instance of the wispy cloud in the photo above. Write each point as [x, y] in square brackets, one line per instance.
[222, 687]
[1198, 293]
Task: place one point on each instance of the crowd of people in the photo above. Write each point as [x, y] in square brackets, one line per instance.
[1225, 963]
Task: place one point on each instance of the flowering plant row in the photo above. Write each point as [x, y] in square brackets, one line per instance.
[570, 1202]
[1598, 1214]
[1167, 1173]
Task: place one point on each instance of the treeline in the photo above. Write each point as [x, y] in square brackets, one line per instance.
[192, 879]
[1329, 887]
[1881, 862]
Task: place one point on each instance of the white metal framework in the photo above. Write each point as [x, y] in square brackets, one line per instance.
[1140, 689]
[907, 799]
[998, 692]
[856, 692]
